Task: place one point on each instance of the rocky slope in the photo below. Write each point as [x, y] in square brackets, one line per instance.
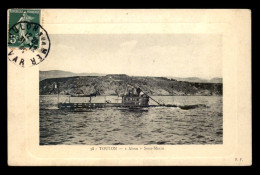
[116, 84]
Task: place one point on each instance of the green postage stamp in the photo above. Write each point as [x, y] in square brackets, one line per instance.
[28, 41]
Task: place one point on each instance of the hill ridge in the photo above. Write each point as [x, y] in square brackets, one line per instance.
[115, 84]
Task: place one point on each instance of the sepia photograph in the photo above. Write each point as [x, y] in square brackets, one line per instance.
[152, 89]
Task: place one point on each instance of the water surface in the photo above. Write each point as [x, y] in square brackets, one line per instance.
[112, 126]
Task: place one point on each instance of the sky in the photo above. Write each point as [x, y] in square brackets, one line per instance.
[169, 55]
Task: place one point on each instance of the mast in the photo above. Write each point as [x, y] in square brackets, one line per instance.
[57, 85]
[172, 93]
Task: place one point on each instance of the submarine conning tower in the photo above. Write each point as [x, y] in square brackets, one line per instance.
[135, 97]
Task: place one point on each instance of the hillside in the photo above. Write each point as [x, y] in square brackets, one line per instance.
[59, 74]
[198, 80]
[116, 84]
[216, 80]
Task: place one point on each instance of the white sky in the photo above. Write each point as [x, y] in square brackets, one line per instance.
[177, 55]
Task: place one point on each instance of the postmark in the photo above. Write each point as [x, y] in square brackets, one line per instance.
[28, 42]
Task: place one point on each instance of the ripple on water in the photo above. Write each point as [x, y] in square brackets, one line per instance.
[161, 142]
[138, 135]
[156, 126]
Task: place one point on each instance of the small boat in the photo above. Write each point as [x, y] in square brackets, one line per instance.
[133, 99]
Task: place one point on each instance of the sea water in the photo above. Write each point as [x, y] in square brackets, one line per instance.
[116, 126]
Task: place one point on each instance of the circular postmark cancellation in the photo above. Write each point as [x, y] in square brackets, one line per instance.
[28, 44]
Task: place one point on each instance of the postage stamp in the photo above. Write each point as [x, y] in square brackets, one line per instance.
[28, 41]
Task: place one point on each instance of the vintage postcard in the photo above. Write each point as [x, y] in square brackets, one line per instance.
[128, 87]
